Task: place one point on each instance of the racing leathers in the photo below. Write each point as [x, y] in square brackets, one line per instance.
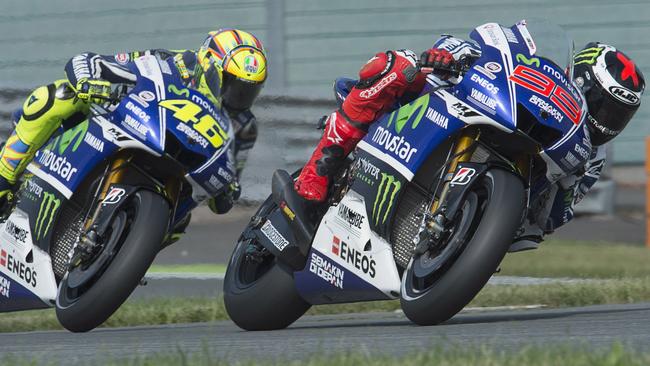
[90, 78]
[391, 79]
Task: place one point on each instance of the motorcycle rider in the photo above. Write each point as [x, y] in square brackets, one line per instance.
[392, 78]
[229, 69]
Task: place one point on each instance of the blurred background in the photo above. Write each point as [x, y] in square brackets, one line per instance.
[310, 43]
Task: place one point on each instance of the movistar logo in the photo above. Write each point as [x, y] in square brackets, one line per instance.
[180, 92]
[411, 112]
[386, 192]
[528, 61]
[49, 207]
[588, 56]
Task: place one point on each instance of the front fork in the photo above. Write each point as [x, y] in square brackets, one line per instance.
[437, 217]
[121, 171]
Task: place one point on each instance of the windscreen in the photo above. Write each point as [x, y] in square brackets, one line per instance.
[551, 42]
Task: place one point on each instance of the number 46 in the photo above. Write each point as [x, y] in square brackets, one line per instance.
[187, 111]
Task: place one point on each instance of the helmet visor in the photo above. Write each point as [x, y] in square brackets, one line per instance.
[239, 94]
[608, 115]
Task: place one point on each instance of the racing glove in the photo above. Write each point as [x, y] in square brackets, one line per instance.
[441, 61]
[222, 203]
[93, 90]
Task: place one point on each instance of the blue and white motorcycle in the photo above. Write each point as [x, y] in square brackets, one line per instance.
[433, 197]
[101, 199]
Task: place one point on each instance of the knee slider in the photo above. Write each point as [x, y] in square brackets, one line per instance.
[40, 101]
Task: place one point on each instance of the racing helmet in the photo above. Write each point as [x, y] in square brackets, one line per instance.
[231, 68]
[612, 85]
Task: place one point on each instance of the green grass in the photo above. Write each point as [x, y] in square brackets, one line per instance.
[440, 355]
[557, 258]
[188, 268]
[188, 310]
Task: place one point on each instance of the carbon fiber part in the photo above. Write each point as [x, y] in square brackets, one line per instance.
[66, 234]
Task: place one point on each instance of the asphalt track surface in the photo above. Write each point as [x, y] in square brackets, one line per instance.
[383, 333]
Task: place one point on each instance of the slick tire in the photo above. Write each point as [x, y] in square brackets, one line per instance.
[268, 302]
[465, 277]
[138, 249]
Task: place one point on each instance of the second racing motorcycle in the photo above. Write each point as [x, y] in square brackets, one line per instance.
[102, 198]
[431, 199]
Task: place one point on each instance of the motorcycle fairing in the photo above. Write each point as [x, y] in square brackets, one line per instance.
[347, 261]
[26, 277]
[139, 122]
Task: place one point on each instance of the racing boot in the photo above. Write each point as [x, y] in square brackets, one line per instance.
[339, 139]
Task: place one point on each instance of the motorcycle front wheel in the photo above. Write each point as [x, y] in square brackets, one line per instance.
[91, 293]
[439, 283]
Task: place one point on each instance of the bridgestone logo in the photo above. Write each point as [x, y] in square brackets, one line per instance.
[274, 235]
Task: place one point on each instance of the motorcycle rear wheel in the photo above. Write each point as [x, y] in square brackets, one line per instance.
[260, 295]
[438, 284]
[139, 229]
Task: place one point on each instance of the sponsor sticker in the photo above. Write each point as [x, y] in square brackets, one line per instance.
[353, 218]
[483, 100]
[94, 142]
[437, 118]
[122, 58]
[137, 111]
[326, 270]
[394, 143]
[366, 171]
[624, 95]
[17, 267]
[16, 231]
[478, 79]
[113, 196]
[463, 176]
[250, 64]
[57, 164]
[386, 194]
[5, 285]
[274, 235]
[361, 261]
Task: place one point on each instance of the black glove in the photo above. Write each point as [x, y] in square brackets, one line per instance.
[222, 203]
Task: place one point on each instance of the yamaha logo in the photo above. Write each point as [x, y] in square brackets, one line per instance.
[624, 95]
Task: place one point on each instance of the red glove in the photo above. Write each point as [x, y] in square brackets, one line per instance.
[439, 60]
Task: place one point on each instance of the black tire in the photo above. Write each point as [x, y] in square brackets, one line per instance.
[140, 242]
[260, 296]
[477, 256]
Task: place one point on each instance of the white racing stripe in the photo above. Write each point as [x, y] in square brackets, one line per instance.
[396, 164]
[51, 180]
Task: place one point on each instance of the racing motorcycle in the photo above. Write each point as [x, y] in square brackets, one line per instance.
[101, 199]
[430, 202]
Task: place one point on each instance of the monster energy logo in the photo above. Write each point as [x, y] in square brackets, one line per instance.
[588, 56]
[49, 206]
[386, 193]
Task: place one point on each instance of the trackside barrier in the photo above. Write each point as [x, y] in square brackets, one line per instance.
[647, 192]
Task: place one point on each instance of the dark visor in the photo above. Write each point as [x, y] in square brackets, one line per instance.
[610, 115]
[239, 94]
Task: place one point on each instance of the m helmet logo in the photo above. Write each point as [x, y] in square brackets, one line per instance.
[463, 176]
[624, 95]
